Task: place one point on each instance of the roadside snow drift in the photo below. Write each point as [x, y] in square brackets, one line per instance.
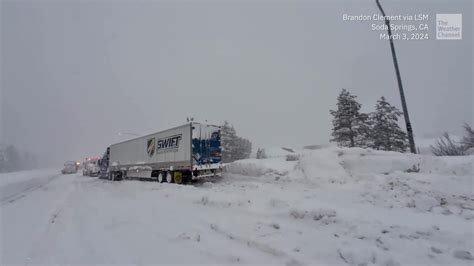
[328, 206]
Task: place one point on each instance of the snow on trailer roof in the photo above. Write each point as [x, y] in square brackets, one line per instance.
[146, 135]
[206, 123]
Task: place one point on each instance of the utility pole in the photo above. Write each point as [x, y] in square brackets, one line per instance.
[399, 80]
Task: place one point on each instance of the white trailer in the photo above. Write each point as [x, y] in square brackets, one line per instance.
[179, 154]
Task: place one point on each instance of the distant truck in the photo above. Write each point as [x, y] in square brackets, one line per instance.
[70, 167]
[177, 155]
[90, 167]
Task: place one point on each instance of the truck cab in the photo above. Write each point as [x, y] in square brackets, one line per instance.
[104, 164]
[91, 167]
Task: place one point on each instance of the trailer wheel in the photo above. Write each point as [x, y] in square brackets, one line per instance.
[160, 178]
[116, 176]
[169, 177]
[187, 179]
[178, 177]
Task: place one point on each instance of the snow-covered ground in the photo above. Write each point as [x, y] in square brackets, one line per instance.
[331, 206]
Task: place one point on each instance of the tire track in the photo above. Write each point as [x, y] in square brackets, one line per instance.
[262, 247]
[26, 187]
[46, 242]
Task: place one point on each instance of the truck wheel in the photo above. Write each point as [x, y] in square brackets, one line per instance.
[187, 179]
[169, 177]
[178, 177]
[160, 178]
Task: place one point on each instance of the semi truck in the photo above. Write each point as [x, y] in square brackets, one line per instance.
[90, 166]
[176, 155]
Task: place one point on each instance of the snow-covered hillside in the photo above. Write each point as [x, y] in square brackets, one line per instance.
[330, 206]
[373, 206]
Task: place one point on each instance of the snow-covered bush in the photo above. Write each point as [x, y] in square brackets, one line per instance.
[468, 140]
[445, 146]
[261, 154]
[292, 157]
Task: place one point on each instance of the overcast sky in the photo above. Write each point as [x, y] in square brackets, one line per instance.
[75, 74]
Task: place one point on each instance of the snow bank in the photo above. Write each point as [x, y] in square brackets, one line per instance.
[274, 152]
[368, 206]
[332, 164]
[381, 162]
[387, 179]
[261, 167]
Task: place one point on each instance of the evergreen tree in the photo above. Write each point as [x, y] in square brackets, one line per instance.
[228, 141]
[364, 130]
[13, 159]
[386, 133]
[350, 127]
[233, 147]
[242, 149]
[3, 159]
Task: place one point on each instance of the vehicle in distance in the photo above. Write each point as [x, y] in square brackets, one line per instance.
[70, 167]
[90, 167]
[177, 155]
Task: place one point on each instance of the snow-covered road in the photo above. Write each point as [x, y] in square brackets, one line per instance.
[274, 217]
[76, 219]
[15, 191]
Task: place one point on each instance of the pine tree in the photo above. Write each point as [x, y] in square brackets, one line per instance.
[228, 138]
[233, 147]
[242, 149]
[386, 133]
[3, 159]
[13, 159]
[350, 127]
[363, 127]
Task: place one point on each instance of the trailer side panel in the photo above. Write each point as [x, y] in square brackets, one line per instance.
[163, 150]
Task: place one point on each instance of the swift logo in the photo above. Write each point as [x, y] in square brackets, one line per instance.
[150, 146]
[168, 143]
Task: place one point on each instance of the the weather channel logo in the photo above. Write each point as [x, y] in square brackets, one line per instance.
[448, 26]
